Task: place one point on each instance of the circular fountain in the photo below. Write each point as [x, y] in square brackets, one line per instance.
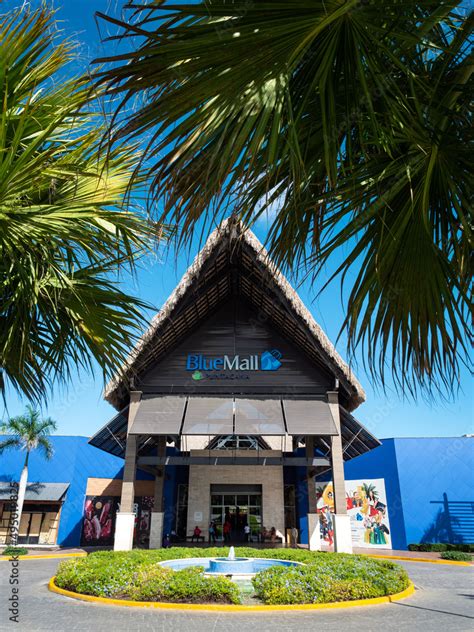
[236, 567]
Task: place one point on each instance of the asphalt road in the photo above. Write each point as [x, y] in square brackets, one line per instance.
[444, 600]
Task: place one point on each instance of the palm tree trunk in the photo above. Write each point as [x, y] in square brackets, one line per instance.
[21, 493]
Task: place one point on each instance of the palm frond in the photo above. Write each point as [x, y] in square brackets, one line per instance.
[65, 229]
[350, 123]
[8, 444]
[29, 432]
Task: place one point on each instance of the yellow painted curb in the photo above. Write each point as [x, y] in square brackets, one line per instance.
[416, 559]
[224, 608]
[53, 556]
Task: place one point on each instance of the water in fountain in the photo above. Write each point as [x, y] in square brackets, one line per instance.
[231, 555]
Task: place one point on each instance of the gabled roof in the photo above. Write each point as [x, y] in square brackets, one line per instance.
[232, 261]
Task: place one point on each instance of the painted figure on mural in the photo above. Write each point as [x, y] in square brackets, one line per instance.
[367, 508]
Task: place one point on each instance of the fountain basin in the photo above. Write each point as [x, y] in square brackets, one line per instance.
[236, 566]
[239, 567]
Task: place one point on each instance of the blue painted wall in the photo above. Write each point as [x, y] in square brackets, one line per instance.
[429, 484]
[436, 477]
[382, 463]
[74, 461]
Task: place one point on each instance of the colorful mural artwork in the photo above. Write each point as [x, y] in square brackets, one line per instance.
[99, 520]
[367, 507]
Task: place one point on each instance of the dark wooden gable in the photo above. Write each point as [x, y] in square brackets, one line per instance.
[236, 328]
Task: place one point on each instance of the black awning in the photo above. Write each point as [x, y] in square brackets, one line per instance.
[159, 416]
[209, 416]
[308, 417]
[259, 417]
[215, 416]
[112, 437]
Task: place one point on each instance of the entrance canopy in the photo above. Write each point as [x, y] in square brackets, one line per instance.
[178, 416]
[175, 416]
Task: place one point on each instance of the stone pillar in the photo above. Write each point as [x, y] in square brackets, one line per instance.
[157, 515]
[342, 525]
[156, 530]
[125, 521]
[314, 531]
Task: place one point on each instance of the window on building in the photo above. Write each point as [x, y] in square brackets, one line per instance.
[182, 511]
[237, 442]
[290, 507]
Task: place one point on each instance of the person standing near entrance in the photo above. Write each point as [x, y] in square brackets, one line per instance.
[247, 533]
[226, 530]
[212, 532]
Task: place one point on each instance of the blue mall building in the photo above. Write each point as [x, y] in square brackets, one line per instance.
[429, 486]
[234, 409]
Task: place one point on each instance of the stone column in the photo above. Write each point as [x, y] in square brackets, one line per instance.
[157, 515]
[342, 525]
[314, 531]
[125, 519]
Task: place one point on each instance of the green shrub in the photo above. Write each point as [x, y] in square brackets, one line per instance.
[137, 575]
[438, 547]
[335, 578]
[155, 583]
[14, 550]
[467, 548]
[102, 576]
[458, 556]
[441, 546]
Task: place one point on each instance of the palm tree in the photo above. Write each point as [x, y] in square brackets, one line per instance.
[345, 122]
[370, 489]
[65, 231]
[27, 432]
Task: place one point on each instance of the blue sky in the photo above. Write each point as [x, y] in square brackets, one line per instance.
[79, 408]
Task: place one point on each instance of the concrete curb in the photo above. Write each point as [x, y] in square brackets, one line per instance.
[224, 608]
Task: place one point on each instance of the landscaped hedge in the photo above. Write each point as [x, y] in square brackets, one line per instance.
[135, 575]
[155, 583]
[14, 551]
[440, 547]
[458, 556]
[329, 579]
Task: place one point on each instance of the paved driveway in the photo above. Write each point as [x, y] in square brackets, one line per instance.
[444, 601]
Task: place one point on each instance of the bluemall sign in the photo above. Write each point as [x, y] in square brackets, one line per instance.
[267, 361]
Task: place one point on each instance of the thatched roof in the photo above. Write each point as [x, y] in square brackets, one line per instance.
[225, 241]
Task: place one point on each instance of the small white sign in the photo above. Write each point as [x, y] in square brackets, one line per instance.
[198, 516]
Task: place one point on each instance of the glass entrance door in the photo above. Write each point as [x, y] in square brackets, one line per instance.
[232, 511]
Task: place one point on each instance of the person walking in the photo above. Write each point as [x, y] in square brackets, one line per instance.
[212, 532]
[247, 533]
[227, 529]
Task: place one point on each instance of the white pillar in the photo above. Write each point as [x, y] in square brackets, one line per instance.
[125, 519]
[156, 530]
[314, 532]
[342, 533]
[124, 525]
